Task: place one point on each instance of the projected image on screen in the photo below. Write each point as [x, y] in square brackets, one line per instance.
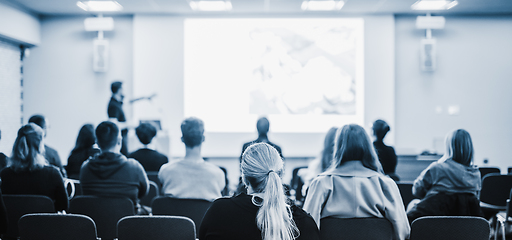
[306, 75]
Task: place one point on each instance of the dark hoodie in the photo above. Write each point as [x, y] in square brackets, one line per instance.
[113, 175]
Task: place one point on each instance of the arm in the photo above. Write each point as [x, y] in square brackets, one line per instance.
[315, 200]
[143, 180]
[423, 183]
[394, 210]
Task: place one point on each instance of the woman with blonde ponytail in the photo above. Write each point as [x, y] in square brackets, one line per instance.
[263, 213]
[29, 172]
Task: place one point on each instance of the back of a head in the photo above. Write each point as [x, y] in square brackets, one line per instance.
[107, 134]
[192, 130]
[26, 151]
[353, 143]
[263, 125]
[327, 152]
[145, 132]
[262, 167]
[380, 128]
[115, 86]
[39, 120]
[86, 137]
[460, 146]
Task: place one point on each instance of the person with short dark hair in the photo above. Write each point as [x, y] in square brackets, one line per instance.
[29, 172]
[386, 154]
[115, 111]
[449, 186]
[355, 186]
[83, 150]
[192, 177]
[51, 155]
[110, 173]
[150, 159]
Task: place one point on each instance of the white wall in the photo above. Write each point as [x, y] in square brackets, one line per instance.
[158, 67]
[19, 25]
[60, 82]
[474, 57]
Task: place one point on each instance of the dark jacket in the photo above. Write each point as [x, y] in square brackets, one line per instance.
[150, 159]
[53, 158]
[46, 181]
[113, 175]
[235, 218]
[387, 157]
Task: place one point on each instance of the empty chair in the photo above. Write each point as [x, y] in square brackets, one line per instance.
[154, 191]
[495, 192]
[156, 228]
[405, 192]
[487, 170]
[296, 184]
[105, 212]
[355, 229]
[52, 226]
[19, 205]
[191, 208]
[450, 228]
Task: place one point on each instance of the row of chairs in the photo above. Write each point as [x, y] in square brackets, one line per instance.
[81, 227]
[106, 212]
[51, 226]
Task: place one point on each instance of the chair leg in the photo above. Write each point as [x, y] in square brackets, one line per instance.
[500, 223]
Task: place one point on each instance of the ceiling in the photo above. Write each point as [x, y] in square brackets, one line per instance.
[263, 7]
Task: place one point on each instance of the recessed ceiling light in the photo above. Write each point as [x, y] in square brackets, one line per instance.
[99, 6]
[433, 5]
[211, 5]
[322, 5]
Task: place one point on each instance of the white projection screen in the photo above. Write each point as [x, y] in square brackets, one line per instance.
[304, 75]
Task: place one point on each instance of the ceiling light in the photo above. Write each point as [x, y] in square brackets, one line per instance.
[322, 5]
[210, 5]
[99, 6]
[433, 5]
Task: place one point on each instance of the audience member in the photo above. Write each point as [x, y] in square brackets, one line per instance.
[192, 177]
[115, 111]
[29, 172]
[320, 164]
[83, 150]
[111, 173]
[263, 126]
[449, 186]
[264, 213]
[355, 187]
[50, 154]
[4, 160]
[150, 159]
[3, 215]
[386, 154]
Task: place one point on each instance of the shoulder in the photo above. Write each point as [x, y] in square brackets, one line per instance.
[213, 168]
[49, 150]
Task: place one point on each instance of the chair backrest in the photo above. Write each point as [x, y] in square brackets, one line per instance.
[154, 191]
[19, 205]
[450, 228]
[406, 192]
[355, 229]
[496, 189]
[225, 191]
[487, 170]
[105, 212]
[296, 183]
[153, 176]
[156, 228]
[52, 226]
[191, 208]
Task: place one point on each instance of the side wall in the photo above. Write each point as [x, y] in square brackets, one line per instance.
[473, 57]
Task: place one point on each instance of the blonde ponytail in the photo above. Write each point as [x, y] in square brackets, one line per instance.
[261, 168]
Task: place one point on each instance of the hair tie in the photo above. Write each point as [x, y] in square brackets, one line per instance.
[268, 173]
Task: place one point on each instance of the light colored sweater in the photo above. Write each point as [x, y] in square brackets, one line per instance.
[192, 179]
